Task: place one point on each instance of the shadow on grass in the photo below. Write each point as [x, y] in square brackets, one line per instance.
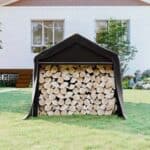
[138, 120]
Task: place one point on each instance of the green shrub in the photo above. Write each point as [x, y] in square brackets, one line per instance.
[125, 84]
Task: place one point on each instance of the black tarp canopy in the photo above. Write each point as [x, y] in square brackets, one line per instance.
[77, 50]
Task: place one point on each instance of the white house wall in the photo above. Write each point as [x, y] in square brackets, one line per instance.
[16, 35]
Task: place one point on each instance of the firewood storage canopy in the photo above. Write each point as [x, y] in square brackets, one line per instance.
[77, 50]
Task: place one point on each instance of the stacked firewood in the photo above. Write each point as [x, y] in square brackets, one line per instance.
[76, 89]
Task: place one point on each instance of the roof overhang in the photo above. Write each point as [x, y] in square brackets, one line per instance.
[11, 2]
[5, 3]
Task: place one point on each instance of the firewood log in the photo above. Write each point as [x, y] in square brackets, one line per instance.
[48, 67]
[46, 85]
[56, 112]
[100, 96]
[41, 80]
[72, 108]
[103, 107]
[109, 96]
[93, 112]
[50, 113]
[93, 95]
[64, 85]
[55, 102]
[105, 101]
[41, 102]
[76, 97]
[60, 96]
[89, 85]
[47, 108]
[57, 107]
[56, 75]
[71, 87]
[68, 101]
[64, 107]
[52, 97]
[108, 112]
[83, 112]
[70, 112]
[69, 94]
[60, 80]
[73, 80]
[48, 74]
[82, 90]
[100, 112]
[64, 112]
[76, 75]
[54, 84]
[61, 102]
[102, 84]
[48, 102]
[49, 91]
[63, 91]
[74, 102]
[86, 102]
[90, 69]
[86, 79]
[66, 77]
[54, 69]
[56, 91]
[99, 89]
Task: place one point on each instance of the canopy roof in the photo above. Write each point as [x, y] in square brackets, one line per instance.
[75, 2]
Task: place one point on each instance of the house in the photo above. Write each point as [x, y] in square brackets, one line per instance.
[28, 26]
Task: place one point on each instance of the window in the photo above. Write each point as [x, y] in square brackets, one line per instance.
[103, 25]
[46, 34]
[8, 80]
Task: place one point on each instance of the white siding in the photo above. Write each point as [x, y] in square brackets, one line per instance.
[16, 33]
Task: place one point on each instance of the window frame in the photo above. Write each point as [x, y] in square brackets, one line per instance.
[127, 20]
[43, 34]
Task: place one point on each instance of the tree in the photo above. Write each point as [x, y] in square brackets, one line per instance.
[146, 73]
[114, 38]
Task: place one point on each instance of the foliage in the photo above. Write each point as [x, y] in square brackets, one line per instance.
[146, 79]
[146, 73]
[143, 84]
[128, 77]
[125, 81]
[11, 83]
[41, 49]
[74, 132]
[115, 39]
[139, 85]
[125, 84]
[138, 81]
[142, 81]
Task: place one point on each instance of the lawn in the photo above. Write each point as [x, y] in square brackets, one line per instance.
[73, 132]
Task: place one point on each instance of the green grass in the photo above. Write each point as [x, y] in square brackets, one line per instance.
[73, 132]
